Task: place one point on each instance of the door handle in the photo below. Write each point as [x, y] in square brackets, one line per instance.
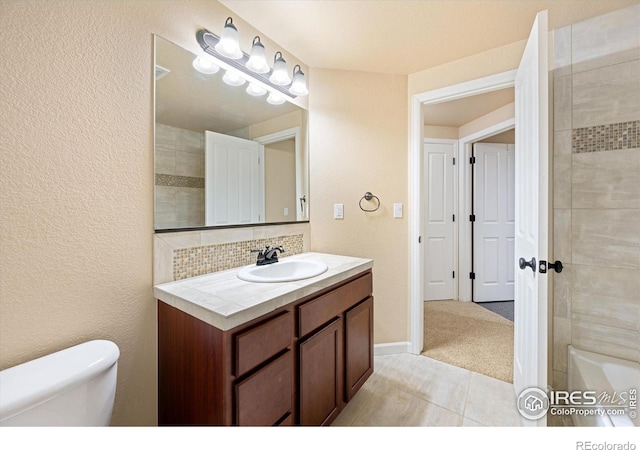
[523, 263]
[557, 266]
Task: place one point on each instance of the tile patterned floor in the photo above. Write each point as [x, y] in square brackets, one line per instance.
[414, 390]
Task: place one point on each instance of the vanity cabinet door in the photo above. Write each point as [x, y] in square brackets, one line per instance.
[320, 375]
[358, 346]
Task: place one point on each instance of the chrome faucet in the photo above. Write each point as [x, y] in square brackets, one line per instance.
[268, 255]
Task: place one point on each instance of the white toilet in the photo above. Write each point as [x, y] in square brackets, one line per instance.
[72, 387]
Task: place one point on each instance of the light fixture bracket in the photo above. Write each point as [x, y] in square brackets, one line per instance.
[208, 41]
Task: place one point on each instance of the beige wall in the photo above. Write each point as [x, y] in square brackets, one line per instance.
[483, 64]
[438, 132]
[76, 136]
[358, 141]
[493, 118]
[507, 137]
[280, 181]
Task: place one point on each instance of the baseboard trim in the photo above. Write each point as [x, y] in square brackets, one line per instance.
[391, 348]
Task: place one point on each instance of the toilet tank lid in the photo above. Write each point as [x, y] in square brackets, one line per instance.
[34, 382]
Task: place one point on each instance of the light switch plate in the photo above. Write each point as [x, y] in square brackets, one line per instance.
[397, 210]
[338, 211]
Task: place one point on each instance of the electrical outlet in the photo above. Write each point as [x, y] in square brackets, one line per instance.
[338, 211]
[286, 211]
[397, 210]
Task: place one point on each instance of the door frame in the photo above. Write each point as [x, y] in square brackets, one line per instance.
[416, 224]
[283, 135]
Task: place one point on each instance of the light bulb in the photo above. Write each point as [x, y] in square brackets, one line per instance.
[279, 75]
[228, 45]
[255, 90]
[299, 85]
[204, 64]
[233, 79]
[257, 61]
[275, 99]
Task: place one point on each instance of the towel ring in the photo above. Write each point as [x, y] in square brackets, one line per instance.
[368, 196]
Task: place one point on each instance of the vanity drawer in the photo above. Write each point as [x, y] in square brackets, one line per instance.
[261, 342]
[317, 312]
[266, 396]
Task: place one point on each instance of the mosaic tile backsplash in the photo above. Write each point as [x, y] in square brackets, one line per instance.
[194, 261]
[599, 138]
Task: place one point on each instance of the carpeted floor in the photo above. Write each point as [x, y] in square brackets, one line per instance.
[505, 309]
[467, 335]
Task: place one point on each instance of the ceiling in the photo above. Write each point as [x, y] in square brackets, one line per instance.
[456, 113]
[403, 37]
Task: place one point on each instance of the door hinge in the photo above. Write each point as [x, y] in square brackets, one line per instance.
[472, 218]
[454, 217]
[419, 239]
[472, 160]
[472, 275]
[454, 161]
[454, 274]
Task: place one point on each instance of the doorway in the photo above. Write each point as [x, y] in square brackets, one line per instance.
[463, 333]
[416, 160]
[531, 81]
[450, 208]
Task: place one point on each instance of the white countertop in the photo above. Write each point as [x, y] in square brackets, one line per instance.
[223, 300]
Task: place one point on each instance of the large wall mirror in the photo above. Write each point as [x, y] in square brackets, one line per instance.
[223, 157]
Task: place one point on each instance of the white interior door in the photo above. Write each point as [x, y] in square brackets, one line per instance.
[234, 180]
[493, 229]
[532, 203]
[439, 222]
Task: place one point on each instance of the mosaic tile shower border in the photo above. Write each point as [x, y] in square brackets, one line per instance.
[179, 181]
[194, 261]
[600, 138]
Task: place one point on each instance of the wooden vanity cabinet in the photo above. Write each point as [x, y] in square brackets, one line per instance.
[321, 379]
[298, 365]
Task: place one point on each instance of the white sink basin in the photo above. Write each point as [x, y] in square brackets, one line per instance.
[283, 271]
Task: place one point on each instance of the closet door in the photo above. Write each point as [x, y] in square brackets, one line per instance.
[439, 222]
[493, 232]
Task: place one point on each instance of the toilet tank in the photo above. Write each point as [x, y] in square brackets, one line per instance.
[72, 387]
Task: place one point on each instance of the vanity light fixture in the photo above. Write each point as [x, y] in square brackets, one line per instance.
[275, 99]
[228, 45]
[205, 65]
[254, 67]
[299, 85]
[257, 61]
[255, 90]
[279, 75]
[233, 79]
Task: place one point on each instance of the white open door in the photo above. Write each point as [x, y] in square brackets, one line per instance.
[439, 196]
[234, 180]
[532, 203]
[493, 229]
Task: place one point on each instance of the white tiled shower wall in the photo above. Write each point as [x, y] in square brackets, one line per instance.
[597, 188]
